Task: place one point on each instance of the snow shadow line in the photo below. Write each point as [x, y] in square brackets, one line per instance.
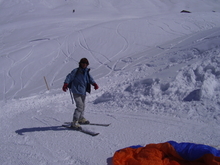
[35, 129]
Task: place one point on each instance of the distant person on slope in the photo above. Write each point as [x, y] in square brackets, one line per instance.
[79, 81]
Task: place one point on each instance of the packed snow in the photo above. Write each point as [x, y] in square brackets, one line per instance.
[158, 70]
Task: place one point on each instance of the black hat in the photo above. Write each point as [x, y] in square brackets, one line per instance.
[84, 60]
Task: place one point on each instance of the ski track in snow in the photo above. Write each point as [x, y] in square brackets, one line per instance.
[158, 72]
[120, 62]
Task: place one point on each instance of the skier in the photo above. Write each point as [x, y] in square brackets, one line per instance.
[79, 81]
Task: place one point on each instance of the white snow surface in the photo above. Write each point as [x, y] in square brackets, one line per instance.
[158, 71]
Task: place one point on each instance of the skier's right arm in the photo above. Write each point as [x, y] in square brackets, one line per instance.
[70, 76]
[69, 79]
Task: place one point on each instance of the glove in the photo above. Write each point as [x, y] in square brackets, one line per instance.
[65, 87]
[95, 86]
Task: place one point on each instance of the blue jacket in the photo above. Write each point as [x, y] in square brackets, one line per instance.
[79, 79]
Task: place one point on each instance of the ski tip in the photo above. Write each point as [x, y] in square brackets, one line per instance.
[69, 126]
[82, 130]
[95, 124]
[95, 134]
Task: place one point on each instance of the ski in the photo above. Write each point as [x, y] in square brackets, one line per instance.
[96, 124]
[82, 130]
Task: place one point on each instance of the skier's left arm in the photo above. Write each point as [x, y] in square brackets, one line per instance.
[92, 81]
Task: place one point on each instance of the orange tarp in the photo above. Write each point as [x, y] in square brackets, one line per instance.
[158, 154]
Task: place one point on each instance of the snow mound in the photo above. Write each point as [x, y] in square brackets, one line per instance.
[195, 88]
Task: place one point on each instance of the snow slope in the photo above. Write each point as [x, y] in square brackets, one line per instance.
[158, 70]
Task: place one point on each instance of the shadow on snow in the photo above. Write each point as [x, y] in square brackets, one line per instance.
[34, 129]
[51, 128]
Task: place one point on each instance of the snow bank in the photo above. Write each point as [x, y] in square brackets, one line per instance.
[194, 85]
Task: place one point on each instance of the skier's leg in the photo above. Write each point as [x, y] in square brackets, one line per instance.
[82, 119]
[83, 107]
[79, 107]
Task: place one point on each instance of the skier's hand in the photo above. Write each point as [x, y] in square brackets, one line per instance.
[95, 86]
[65, 87]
